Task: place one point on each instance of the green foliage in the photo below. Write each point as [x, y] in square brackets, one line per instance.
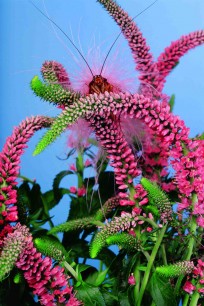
[162, 291]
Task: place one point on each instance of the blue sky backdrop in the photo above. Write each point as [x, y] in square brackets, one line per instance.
[28, 39]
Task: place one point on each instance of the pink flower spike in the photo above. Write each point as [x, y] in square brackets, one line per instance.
[200, 221]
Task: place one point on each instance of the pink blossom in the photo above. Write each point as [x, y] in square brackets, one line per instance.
[201, 290]
[131, 280]
[200, 221]
[172, 54]
[132, 232]
[136, 211]
[73, 167]
[73, 189]
[81, 191]
[189, 287]
[87, 163]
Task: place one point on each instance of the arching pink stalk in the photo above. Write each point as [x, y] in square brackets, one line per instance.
[54, 72]
[137, 43]
[109, 134]
[48, 283]
[10, 161]
[172, 54]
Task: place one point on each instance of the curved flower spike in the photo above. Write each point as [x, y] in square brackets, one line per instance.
[54, 93]
[14, 244]
[158, 199]
[136, 41]
[54, 73]
[87, 222]
[48, 282]
[172, 54]
[99, 111]
[177, 269]
[123, 223]
[10, 160]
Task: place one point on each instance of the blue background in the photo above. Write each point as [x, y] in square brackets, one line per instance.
[28, 39]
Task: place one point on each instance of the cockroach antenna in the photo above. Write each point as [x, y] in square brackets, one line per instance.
[64, 34]
[111, 47]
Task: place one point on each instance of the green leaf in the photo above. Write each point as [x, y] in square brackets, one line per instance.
[123, 298]
[52, 197]
[35, 197]
[107, 186]
[172, 102]
[97, 278]
[81, 267]
[161, 291]
[59, 177]
[110, 299]
[91, 296]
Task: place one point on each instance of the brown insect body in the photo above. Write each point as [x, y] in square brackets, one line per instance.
[99, 85]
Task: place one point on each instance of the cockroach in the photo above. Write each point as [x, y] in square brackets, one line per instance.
[99, 84]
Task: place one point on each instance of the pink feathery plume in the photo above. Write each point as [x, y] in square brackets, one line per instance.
[172, 54]
[9, 164]
[79, 134]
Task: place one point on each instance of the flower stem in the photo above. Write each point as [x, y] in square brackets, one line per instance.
[150, 264]
[150, 221]
[138, 280]
[194, 299]
[80, 169]
[186, 299]
[163, 251]
[70, 269]
[191, 243]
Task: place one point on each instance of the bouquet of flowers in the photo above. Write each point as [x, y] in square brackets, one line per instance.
[145, 196]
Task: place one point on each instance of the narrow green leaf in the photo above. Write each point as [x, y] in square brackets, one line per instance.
[172, 102]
